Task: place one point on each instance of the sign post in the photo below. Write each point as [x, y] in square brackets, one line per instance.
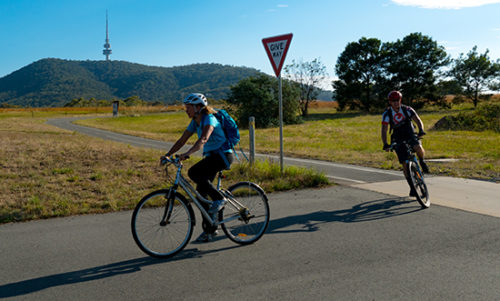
[115, 108]
[277, 48]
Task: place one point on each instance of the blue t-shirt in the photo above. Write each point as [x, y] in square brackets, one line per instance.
[216, 139]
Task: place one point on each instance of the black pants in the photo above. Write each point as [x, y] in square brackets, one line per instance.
[203, 174]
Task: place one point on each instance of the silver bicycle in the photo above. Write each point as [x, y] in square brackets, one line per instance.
[163, 221]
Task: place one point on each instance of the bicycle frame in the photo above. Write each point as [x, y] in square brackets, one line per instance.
[196, 197]
[411, 154]
[412, 157]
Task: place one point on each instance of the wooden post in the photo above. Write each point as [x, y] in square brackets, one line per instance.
[251, 135]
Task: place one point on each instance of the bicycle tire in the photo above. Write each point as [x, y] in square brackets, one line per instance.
[418, 184]
[157, 239]
[251, 223]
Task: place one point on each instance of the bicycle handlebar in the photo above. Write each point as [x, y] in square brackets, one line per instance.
[392, 146]
[174, 160]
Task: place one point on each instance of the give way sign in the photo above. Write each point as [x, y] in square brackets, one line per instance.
[276, 48]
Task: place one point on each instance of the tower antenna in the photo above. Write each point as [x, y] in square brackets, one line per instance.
[107, 46]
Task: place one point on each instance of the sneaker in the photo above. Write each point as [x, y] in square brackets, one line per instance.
[216, 206]
[206, 237]
[424, 166]
[413, 193]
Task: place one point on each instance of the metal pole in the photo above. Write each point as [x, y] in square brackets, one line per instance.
[281, 123]
[251, 135]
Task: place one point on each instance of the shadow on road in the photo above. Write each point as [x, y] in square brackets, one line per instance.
[104, 271]
[363, 212]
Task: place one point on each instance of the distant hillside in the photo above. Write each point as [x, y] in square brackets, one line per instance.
[54, 82]
[326, 95]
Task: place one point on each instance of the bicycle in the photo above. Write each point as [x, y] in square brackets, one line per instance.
[163, 221]
[414, 171]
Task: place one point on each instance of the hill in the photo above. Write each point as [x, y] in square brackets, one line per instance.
[54, 82]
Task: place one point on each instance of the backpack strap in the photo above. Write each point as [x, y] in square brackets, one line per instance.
[404, 108]
[389, 110]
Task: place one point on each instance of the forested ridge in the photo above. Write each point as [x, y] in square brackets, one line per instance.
[54, 82]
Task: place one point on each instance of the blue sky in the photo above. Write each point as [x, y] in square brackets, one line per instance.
[175, 32]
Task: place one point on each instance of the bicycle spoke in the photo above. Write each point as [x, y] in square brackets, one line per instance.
[156, 238]
[252, 214]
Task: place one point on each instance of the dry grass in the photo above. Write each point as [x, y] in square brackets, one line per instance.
[323, 104]
[53, 112]
[48, 172]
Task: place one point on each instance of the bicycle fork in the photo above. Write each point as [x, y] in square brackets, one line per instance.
[169, 206]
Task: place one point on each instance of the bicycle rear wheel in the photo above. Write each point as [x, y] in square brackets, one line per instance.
[417, 180]
[246, 214]
[162, 228]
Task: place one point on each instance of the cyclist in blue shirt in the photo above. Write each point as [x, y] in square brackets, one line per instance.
[215, 158]
[399, 117]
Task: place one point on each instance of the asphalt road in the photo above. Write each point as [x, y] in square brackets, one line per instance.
[338, 243]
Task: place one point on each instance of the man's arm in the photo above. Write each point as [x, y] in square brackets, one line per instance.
[419, 123]
[384, 134]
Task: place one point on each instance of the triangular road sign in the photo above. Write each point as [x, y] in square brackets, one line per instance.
[276, 48]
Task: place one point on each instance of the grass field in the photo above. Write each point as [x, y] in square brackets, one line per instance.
[48, 172]
[352, 138]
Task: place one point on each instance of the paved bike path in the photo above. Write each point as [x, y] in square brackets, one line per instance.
[336, 243]
[465, 194]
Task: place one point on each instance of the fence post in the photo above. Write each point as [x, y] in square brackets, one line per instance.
[115, 108]
[251, 135]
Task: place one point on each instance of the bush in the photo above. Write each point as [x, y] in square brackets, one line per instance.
[485, 117]
[258, 97]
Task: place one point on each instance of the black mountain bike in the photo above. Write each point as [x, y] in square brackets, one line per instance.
[414, 172]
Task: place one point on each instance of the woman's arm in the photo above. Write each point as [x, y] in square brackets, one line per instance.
[205, 135]
[180, 143]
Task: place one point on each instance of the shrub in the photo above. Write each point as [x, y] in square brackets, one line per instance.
[485, 117]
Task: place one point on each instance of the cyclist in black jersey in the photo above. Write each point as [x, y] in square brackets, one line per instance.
[398, 118]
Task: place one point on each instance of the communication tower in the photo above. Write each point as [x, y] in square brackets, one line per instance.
[107, 46]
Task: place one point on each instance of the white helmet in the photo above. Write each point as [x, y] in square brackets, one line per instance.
[195, 99]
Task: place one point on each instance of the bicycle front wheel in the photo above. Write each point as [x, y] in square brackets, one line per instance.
[417, 180]
[162, 228]
[246, 214]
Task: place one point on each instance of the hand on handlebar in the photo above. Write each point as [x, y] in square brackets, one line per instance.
[421, 133]
[164, 160]
[386, 147]
[183, 157]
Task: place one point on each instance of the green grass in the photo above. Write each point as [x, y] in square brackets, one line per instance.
[352, 138]
[269, 175]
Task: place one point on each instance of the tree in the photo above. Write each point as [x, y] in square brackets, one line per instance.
[258, 97]
[411, 65]
[308, 75]
[358, 68]
[476, 73]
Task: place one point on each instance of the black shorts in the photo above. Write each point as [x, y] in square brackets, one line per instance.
[402, 151]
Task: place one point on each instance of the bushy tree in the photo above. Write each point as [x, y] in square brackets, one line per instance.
[412, 66]
[359, 70]
[476, 73]
[308, 75]
[258, 97]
